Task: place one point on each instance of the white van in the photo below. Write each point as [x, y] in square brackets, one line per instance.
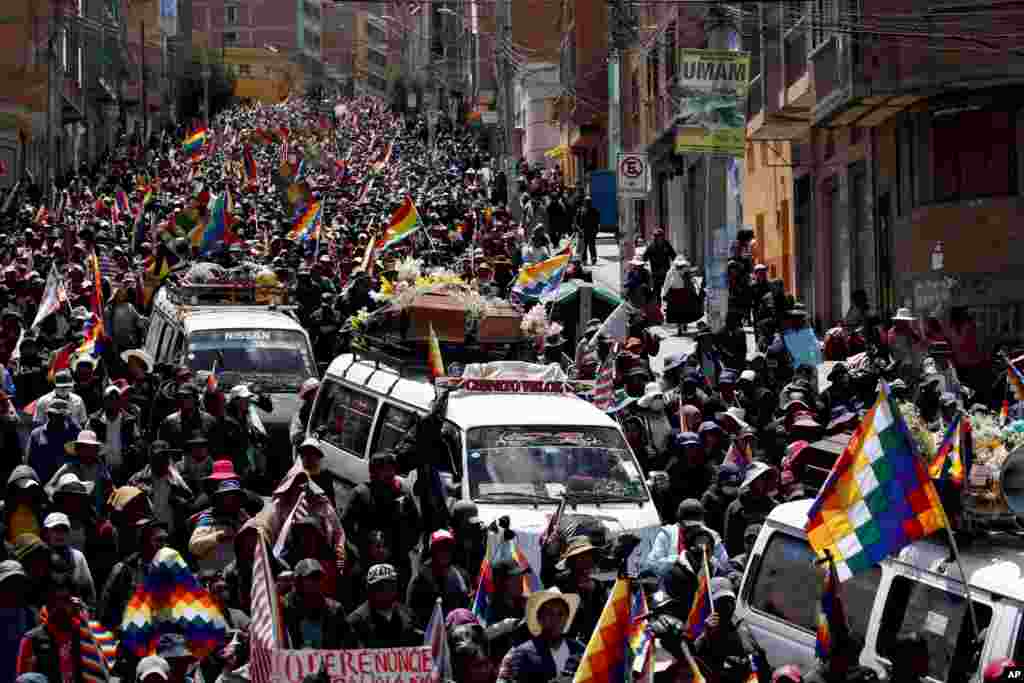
[512, 454]
[920, 590]
[255, 344]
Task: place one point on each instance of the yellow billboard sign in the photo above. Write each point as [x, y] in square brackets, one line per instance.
[712, 112]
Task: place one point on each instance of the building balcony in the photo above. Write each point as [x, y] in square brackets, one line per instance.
[797, 95]
[782, 94]
[848, 95]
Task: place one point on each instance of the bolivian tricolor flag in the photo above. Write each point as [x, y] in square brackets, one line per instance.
[404, 222]
[434, 356]
[193, 143]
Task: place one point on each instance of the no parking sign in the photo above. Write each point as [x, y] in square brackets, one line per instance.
[633, 175]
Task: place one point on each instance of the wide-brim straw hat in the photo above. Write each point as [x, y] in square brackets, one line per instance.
[540, 598]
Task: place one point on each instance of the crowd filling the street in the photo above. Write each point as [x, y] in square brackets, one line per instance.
[298, 379]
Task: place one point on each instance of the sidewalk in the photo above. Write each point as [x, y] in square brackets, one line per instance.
[606, 273]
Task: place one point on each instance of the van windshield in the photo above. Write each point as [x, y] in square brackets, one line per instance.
[280, 360]
[538, 464]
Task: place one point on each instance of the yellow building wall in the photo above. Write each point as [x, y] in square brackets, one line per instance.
[768, 206]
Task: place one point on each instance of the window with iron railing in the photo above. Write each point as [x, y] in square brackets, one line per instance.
[231, 15]
[230, 38]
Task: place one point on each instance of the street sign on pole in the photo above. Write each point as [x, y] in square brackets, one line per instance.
[633, 175]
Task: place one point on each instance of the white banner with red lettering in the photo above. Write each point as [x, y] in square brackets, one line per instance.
[390, 665]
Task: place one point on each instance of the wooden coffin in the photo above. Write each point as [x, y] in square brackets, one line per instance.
[501, 325]
[446, 313]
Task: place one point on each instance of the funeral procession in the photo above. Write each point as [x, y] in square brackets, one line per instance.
[511, 341]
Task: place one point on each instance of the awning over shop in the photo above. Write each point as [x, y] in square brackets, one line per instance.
[586, 141]
[569, 291]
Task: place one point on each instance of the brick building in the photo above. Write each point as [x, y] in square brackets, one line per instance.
[78, 100]
[270, 46]
[900, 148]
[533, 52]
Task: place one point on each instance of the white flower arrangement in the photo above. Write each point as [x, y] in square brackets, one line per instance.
[409, 269]
[535, 322]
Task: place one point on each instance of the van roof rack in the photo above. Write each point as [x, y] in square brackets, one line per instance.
[226, 294]
[410, 359]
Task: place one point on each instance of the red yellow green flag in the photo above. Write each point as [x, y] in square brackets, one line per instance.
[404, 222]
[434, 356]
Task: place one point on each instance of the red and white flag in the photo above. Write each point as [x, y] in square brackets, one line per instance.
[267, 631]
[54, 296]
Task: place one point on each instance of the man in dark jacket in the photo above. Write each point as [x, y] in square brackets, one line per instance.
[549, 654]
[387, 504]
[589, 223]
[178, 427]
[557, 220]
[129, 573]
[659, 254]
[313, 620]
[42, 648]
[725, 646]
[717, 499]
[438, 578]
[752, 507]
[841, 665]
[382, 621]
[118, 428]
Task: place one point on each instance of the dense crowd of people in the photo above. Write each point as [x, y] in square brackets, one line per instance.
[137, 476]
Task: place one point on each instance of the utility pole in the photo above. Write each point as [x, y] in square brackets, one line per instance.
[620, 28]
[720, 209]
[142, 78]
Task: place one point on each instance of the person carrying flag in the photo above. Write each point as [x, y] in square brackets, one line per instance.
[727, 646]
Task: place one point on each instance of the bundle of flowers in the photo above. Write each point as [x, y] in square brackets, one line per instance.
[410, 284]
[535, 322]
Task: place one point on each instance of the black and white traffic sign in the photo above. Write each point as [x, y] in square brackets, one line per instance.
[633, 174]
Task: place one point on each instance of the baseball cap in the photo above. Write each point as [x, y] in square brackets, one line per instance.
[308, 567]
[153, 665]
[686, 439]
[673, 361]
[383, 458]
[441, 536]
[690, 512]
[172, 645]
[10, 569]
[55, 519]
[379, 573]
